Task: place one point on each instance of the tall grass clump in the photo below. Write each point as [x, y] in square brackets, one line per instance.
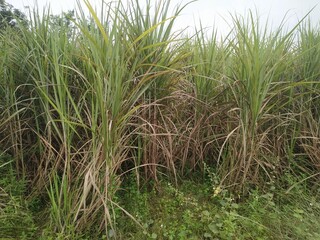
[206, 72]
[12, 98]
[256, 80]
[307, 63]
[88, 100]
[154, 57]
[88, 93]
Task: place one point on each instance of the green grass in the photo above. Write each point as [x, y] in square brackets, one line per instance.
[196, 210]
[120, 93]
[16, 220]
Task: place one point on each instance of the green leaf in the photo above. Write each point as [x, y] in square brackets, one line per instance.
[207, 235]
[213, 228]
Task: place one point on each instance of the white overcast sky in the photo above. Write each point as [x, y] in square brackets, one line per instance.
[212, 12]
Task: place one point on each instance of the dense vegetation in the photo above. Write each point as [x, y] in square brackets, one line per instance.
[117, 127]
[10, 15]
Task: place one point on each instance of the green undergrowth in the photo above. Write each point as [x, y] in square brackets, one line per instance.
[16, 220]
[194, 208]
[198, 209]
